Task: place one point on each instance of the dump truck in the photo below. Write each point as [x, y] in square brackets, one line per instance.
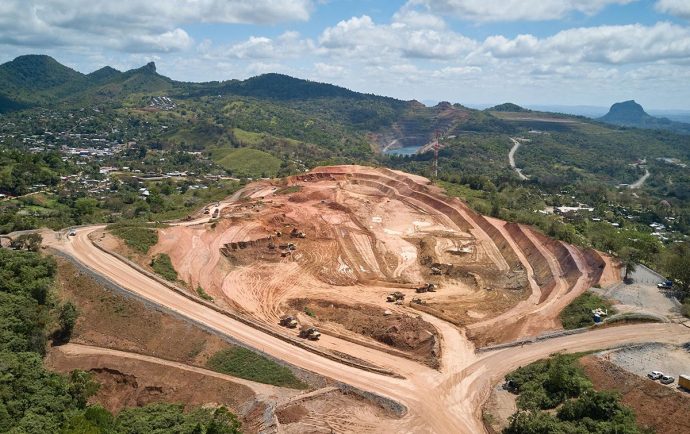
[684, 382]
[295, 233]
[310, 333]
[395, 296]
[427, 287]
[288, 321]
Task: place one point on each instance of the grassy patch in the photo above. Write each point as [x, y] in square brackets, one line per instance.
[248, 162]
[579, 313]
[309, 312]
[203, 294]
[248, 138]
[162, 265]
[289, 190]
[140, 237]
[243, 363]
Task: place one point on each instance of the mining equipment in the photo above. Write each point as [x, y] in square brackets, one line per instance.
[310, 333]
[288, 321]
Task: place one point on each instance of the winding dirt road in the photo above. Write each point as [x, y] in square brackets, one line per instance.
[445, 401]
[511, 159]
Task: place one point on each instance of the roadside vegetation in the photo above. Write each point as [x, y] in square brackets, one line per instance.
[555, 396]
[246, 364]
[203, 294]
[163, 266]
[154, 418]
[35, 400]
[579, 312]
[139, 236]
[676, 264]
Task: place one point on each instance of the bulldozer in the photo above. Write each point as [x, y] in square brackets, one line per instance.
[288, 321]
[309, 333]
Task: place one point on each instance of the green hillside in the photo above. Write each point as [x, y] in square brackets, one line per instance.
[247, 162]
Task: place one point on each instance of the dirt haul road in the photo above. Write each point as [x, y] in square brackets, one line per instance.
[445, 401]
[511, 159]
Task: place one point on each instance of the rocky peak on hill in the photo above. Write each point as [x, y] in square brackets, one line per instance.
[626, 111]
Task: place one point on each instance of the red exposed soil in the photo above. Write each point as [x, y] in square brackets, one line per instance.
[411, 335]
[656, 406]
[110, 320]
[368, 230]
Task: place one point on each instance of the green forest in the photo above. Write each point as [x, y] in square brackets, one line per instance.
[35, 400]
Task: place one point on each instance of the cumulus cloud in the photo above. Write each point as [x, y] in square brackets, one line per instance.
[513, 10]
[624, 44]
[154, 25]
[361, 37]
[328, 70]
[287, 45]
[680, 8]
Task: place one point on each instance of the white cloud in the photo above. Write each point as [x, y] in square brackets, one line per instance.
[361, 37]
[624, 44]
[680, 8]
[513, 10]
[287, 45]
[328, 71]
[154, 25]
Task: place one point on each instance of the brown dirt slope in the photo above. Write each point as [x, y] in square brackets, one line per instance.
[406, 333]
[658, 407]
[133, 383]
[111, 320]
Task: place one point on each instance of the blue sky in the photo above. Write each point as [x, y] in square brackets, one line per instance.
[565, 52]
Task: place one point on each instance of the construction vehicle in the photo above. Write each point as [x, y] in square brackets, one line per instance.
[297, 234]
[309, 333]
[418, 300]
[684, 382]
[395, 296]
[427, 287]
[436, 271]
[288, 321]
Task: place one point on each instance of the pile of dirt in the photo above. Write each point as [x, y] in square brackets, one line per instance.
[291, 414]
[334, 412]
[656, 406]
[411, 335]
[111, 320]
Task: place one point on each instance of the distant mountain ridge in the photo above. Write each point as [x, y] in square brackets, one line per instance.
[507, 107]
[31, 80]
[41, 81]
[631, 114]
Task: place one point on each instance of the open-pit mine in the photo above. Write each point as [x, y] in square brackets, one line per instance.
[376, 281]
